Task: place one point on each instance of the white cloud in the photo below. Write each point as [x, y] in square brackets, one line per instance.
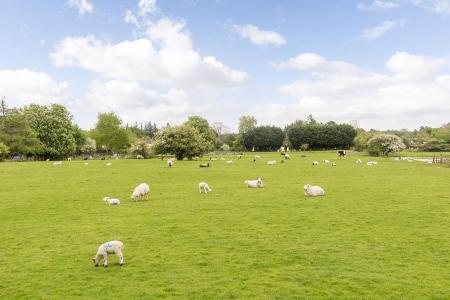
[164, 56]
[140, 18]
[377, 5]
[414, 92]
[436, 6]
[146, 7]
[380, 30]
[83, 6]
[258, 36]
[22, 87]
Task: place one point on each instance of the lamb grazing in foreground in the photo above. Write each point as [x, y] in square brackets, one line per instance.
[229, 162]
[170, 162]
[315, 163]
[113, 247]
[239, 156]
[358, 161]
[57, 163]
[271, 162]
[312, 190]
[204, 165]
[258, 183]
[141, 191]
[372, 163]
[111, 201]
[203, 187]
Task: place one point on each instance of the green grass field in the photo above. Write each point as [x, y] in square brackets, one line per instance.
[381, 232]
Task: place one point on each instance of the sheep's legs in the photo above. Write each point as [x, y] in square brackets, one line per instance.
[120, 255]
[105, 260]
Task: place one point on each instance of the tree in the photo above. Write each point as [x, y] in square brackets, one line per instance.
[264, 138]
[16, 133]
[220, 128]
[109, 134]
[383, 144]
[181, 141]
[322, 136]
[4, 151]
[150, 129]
[246, 123]
[4, 110]
[89, 146]
[54, 128]
[310, 120]
[202, 126]
[80, 137]
[140, 146]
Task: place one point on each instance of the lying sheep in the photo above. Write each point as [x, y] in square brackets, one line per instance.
[204, 165]
[229, 162]
[222, 158]
[139, 156]
[258, 183]
[358, 161]
[213, 159]
[57, 163]
[113, 247]
[111, 201]
[372, 163]
[203, 187]
[333, 164]
[315, 163]
[326, 161]
[271, 162]
[257, 157]
[108, 164]
[312, 190]
[141, 191]
[86, 163]
[170, 162]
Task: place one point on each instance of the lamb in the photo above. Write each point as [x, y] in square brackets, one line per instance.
[229, 162]
[239, 156]
[258, 183]
[315, 163]
[372, 163]
[57, 163]
[271, 162]
[204, 165]
[213, 159]
[222, 158]
[326, 161]
[108, 164]
[139, 156]
[170, 162]
[86, 163]
[313, 191]
[111, 201]
[358, 161]
[69, 159]
[141, 191]
[287, 156]
[203, 187]
[257, 157]
[112, 247]
[333, 164]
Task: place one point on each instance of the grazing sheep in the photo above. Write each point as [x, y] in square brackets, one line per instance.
[239, 156]
[271, 162]
[229, 162]
[342, 153]
[113, 247]
[326, 161]
[48, 159]
[57, 163]
[257, 157]
[333, 164]
[254, 183]
[86, 163]
[372, 163]
[170, 162]
[139, 156]
[111, 201]
[222, 158]
[287, 156]
[315, 163]
[196, 158]
[204, 165]
[213, 159]
[358, 161]
[69, 159]
[141, 191]
[312, 190]
[203, 187]
[108, 164]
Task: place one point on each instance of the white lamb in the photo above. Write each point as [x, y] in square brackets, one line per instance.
[108, 164]
[222, 158]
[315, 163]
[113, 247]
[326, 161]
[111, 201]
[258, 183]
[203, 187]
[257, 157]
[333, 164]
[170, 162]
[139, 156]
[358, 161]
[229, 162]
[287, 156]
[57, 163]
[372, 163]
[312, 190]
[69, 159]
[271, 162]
[141, 191]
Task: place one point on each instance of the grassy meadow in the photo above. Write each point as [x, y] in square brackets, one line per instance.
[381, 232]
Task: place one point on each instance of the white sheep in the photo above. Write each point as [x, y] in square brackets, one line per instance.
[108, 164]
[312, 190]
[139, 156]
[57, 163]
[85, 163]
[213, 159]
[111, 201]
[333, 164]
[203, 187]
[287, 156]
[271, 162]
[258, 183]
[326, 161]
[257, 157]
[229, 162]
[222, 158]
[372, 163]
[170, 162]
[358, 161]
[69, 159]
[315, 163]
[141, 191]
[112, 247]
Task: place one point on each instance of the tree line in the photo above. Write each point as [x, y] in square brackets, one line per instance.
[49, 132]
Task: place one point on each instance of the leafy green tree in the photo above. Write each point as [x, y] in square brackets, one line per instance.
[140, 146]
[16, 133]
[183, 141]
[383, 144]
[109, 134]
[264, 138]
[202, 126]
[150, 129]
[322, 136]
[4, 151]
[54, 128]
[246, 123]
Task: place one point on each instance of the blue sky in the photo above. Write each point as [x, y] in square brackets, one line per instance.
[383, 63]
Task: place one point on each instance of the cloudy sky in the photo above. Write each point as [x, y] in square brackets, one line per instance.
[383, 63]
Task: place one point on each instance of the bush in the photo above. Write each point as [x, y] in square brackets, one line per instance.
[383, 144]
[4, 151]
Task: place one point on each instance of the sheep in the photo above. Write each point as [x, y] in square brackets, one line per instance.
[69, 159]
[257, 157]
[358, 161]
[213, 159]
[203, 187]
[239, 156]
[204, 165]
[287, 156]
[222, 158]
[57, 163]
[196, 158]
[48, 159]
[139, 156]
[112, 247]
[333, 165]
[86, 163]
[315, 163]
[141, 191]
[229, 162]
[372, 163]
[342, 153]
[258, 183]
[312, 190]
[111, 201]
[271, 162]
[108, 164]
[326, 161]
[170, 162]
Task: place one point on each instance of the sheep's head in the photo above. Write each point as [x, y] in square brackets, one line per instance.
[106, 199]
[306, 187]
[96, 259]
